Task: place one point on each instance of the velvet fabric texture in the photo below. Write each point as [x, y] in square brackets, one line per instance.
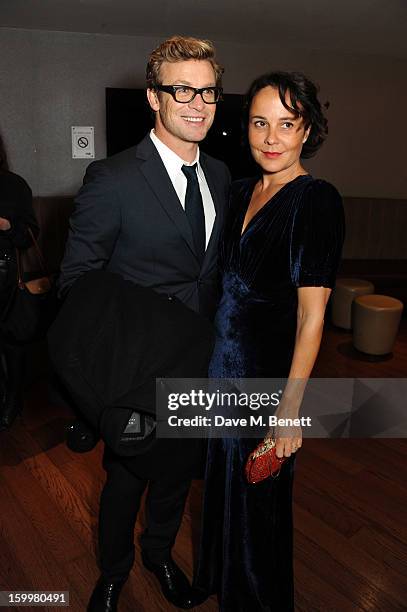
[294, 241]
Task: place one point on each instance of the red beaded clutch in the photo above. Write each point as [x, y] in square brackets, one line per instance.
[263, 462]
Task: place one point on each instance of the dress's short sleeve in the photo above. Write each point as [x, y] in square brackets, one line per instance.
[317, 236]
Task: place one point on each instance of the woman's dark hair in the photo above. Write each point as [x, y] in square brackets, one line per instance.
[3, 156]
[303, 95]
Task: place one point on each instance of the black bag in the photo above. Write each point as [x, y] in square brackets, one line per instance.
[32, 305]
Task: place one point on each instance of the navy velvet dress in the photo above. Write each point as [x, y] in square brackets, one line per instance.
[294, 241]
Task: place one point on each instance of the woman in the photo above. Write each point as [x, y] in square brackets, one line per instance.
[16, 216]
[279, 256]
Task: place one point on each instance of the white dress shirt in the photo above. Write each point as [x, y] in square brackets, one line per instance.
[173, 164]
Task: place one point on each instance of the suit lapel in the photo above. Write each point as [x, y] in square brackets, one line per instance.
[157, 177]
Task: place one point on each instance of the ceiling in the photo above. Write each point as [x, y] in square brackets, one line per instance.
[353, 26]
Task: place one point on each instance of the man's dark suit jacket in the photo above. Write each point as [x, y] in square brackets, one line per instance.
[129, 220]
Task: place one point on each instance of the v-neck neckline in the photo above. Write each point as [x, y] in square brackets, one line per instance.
[266, 204]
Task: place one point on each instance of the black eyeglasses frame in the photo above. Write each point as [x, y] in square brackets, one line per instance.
[172, 90]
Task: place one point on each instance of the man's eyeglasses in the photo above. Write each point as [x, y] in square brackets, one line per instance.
[184, 94]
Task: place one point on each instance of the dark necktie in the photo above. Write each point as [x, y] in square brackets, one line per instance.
[194, 210]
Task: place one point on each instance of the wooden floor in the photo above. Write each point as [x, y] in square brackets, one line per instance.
[350, 509]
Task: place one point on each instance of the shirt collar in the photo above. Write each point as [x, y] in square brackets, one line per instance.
[169, 158]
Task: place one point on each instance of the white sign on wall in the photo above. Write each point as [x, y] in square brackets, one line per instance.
[83, 142]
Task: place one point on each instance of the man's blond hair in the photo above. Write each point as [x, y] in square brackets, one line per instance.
[181, 49]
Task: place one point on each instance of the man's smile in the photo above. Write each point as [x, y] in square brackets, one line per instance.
[194, 119]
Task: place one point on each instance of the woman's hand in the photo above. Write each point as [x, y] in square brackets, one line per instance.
[288, 440]
[4, 224]
[288, 436]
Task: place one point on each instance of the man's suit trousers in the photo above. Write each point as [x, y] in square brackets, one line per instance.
[119, 506]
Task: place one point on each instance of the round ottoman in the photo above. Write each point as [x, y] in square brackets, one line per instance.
[345, 291]
[375, 321]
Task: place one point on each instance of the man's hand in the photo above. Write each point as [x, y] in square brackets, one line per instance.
[4, 224]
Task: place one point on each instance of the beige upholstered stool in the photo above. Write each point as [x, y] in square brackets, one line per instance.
[345, 291]
[375, 321]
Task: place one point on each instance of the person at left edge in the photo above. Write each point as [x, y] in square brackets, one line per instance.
[133, 217]
[16, 219]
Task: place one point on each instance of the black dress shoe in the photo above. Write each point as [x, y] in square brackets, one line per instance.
[174, 584]
[80, 438]
[12, 406]
[105, 596]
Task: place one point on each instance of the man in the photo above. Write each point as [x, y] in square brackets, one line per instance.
[153, 214]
